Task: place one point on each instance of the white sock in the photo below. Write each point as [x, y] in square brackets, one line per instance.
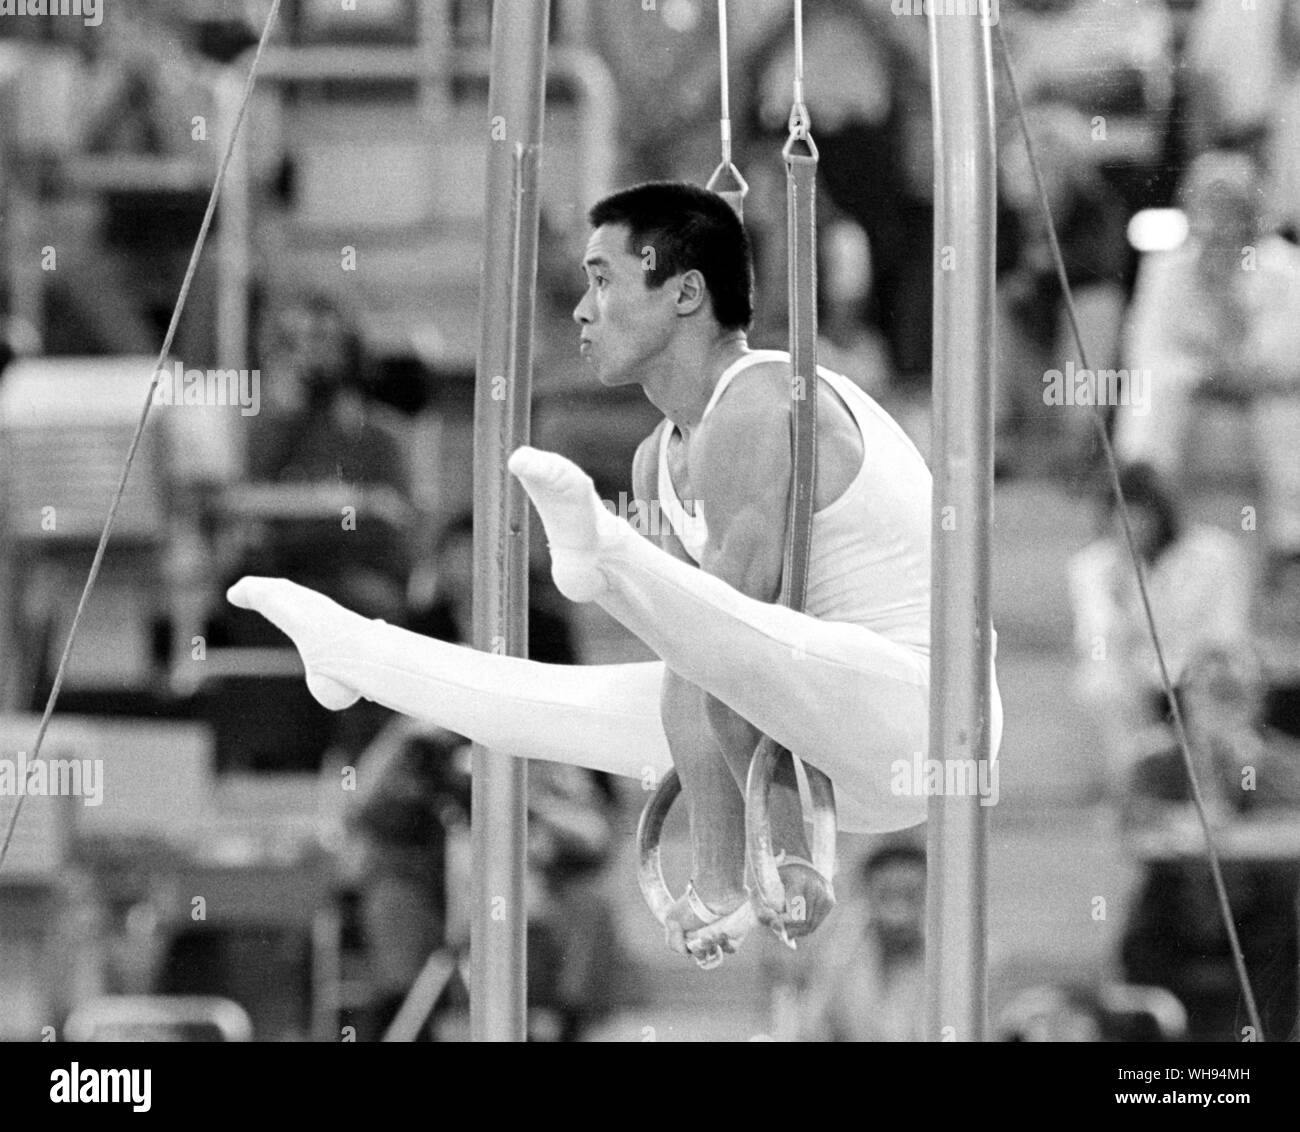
[579, 530]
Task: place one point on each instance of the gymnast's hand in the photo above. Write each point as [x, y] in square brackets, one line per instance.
[808, 898]
[707, 931]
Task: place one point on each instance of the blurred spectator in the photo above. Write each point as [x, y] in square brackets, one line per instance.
[125, 250]
[665, 55]
[317, 426]
[317, 422]
[1200, 587]
[1216, 316]
[1235, 55]
[1222, 696]
[577, 966]
[867, 94]
[1034, 332]
[872, 985]
[1075, 1012]
[1119, 78]
[411, 789]
[1175, 936]
[1054, 1014]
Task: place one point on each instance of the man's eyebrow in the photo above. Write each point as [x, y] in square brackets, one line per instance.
[595, 261]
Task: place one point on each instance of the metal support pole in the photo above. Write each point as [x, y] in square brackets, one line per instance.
[516, 101]
[960, 628]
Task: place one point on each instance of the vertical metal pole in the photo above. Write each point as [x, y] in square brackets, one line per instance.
[516, 102]
[960, 630]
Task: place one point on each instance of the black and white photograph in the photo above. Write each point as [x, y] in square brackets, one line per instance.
[649, 521]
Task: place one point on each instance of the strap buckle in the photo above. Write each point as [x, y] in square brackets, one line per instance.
[729, 184]
[800, 125]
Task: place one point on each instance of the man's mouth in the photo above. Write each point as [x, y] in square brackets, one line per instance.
[584, 346]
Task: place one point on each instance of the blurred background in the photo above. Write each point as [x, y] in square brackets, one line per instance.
[260, 867]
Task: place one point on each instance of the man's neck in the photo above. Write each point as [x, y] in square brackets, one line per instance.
[683, 381]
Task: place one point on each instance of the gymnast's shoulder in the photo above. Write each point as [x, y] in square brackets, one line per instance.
[748, 428]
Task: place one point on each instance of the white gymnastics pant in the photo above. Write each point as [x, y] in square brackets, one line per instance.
[841, 697]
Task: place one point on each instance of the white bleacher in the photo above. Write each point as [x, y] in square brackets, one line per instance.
[43, 835]
[65, 424]
[157, 778]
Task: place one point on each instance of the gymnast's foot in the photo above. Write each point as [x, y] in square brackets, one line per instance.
[578, 527]
[320, 629]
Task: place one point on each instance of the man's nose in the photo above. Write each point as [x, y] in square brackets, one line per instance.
[581, 313]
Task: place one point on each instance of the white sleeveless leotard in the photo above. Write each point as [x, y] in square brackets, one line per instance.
[870, 561]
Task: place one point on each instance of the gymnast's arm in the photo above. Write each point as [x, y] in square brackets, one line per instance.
[742, 474]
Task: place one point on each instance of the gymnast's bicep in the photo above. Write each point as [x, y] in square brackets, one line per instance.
[744, 487]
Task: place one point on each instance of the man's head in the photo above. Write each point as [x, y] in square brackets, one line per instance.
[310, 350]
[664, 258]
[893, 880]
[1222, 195]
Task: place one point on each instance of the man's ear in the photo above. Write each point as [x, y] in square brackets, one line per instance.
[691, 291]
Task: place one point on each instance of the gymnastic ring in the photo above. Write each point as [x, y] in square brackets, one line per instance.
[650, 873]
[707, 944]
[765, 876]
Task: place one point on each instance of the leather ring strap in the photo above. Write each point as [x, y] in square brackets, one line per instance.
[800, 154]
[801, 226]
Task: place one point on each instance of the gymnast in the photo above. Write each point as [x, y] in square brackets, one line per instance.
[844, 686]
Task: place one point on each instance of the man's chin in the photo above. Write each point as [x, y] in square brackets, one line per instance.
[611, 380]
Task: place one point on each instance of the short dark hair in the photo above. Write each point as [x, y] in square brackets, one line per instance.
[688, 228]
[894, 852]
